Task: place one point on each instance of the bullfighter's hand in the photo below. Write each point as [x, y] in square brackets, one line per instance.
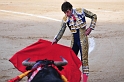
[88, 31]
[54, 42]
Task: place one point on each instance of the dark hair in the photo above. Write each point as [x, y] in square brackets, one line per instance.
[65, 6]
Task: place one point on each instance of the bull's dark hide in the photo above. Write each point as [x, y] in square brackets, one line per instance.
[47, 74]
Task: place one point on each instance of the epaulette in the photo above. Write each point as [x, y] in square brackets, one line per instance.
[65, 18]
[78, 10]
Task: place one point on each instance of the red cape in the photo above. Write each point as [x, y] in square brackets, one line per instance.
[44, 50]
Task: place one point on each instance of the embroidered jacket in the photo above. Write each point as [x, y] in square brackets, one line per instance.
[78, 22]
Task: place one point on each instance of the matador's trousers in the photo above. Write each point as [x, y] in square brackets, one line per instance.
[80, 42]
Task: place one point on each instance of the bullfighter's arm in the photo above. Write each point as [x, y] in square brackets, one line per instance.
[61, 32]
[92, 16]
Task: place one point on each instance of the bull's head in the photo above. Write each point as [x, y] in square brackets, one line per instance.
[57, 63]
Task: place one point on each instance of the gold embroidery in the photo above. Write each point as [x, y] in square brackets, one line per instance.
[73, 30]
[82, 25]
[65, 19]
[79, 10]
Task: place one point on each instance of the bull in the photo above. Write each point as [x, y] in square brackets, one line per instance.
[44, 70]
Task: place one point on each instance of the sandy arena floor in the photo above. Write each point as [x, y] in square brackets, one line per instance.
[21, 24]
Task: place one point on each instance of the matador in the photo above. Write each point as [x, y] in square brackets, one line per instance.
[75, 20]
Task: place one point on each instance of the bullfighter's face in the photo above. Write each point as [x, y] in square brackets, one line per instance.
[68, 13]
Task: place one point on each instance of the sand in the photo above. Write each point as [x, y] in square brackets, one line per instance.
[21, 24]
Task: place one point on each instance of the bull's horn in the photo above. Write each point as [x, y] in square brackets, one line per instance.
[61, 63]
[26, 63]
